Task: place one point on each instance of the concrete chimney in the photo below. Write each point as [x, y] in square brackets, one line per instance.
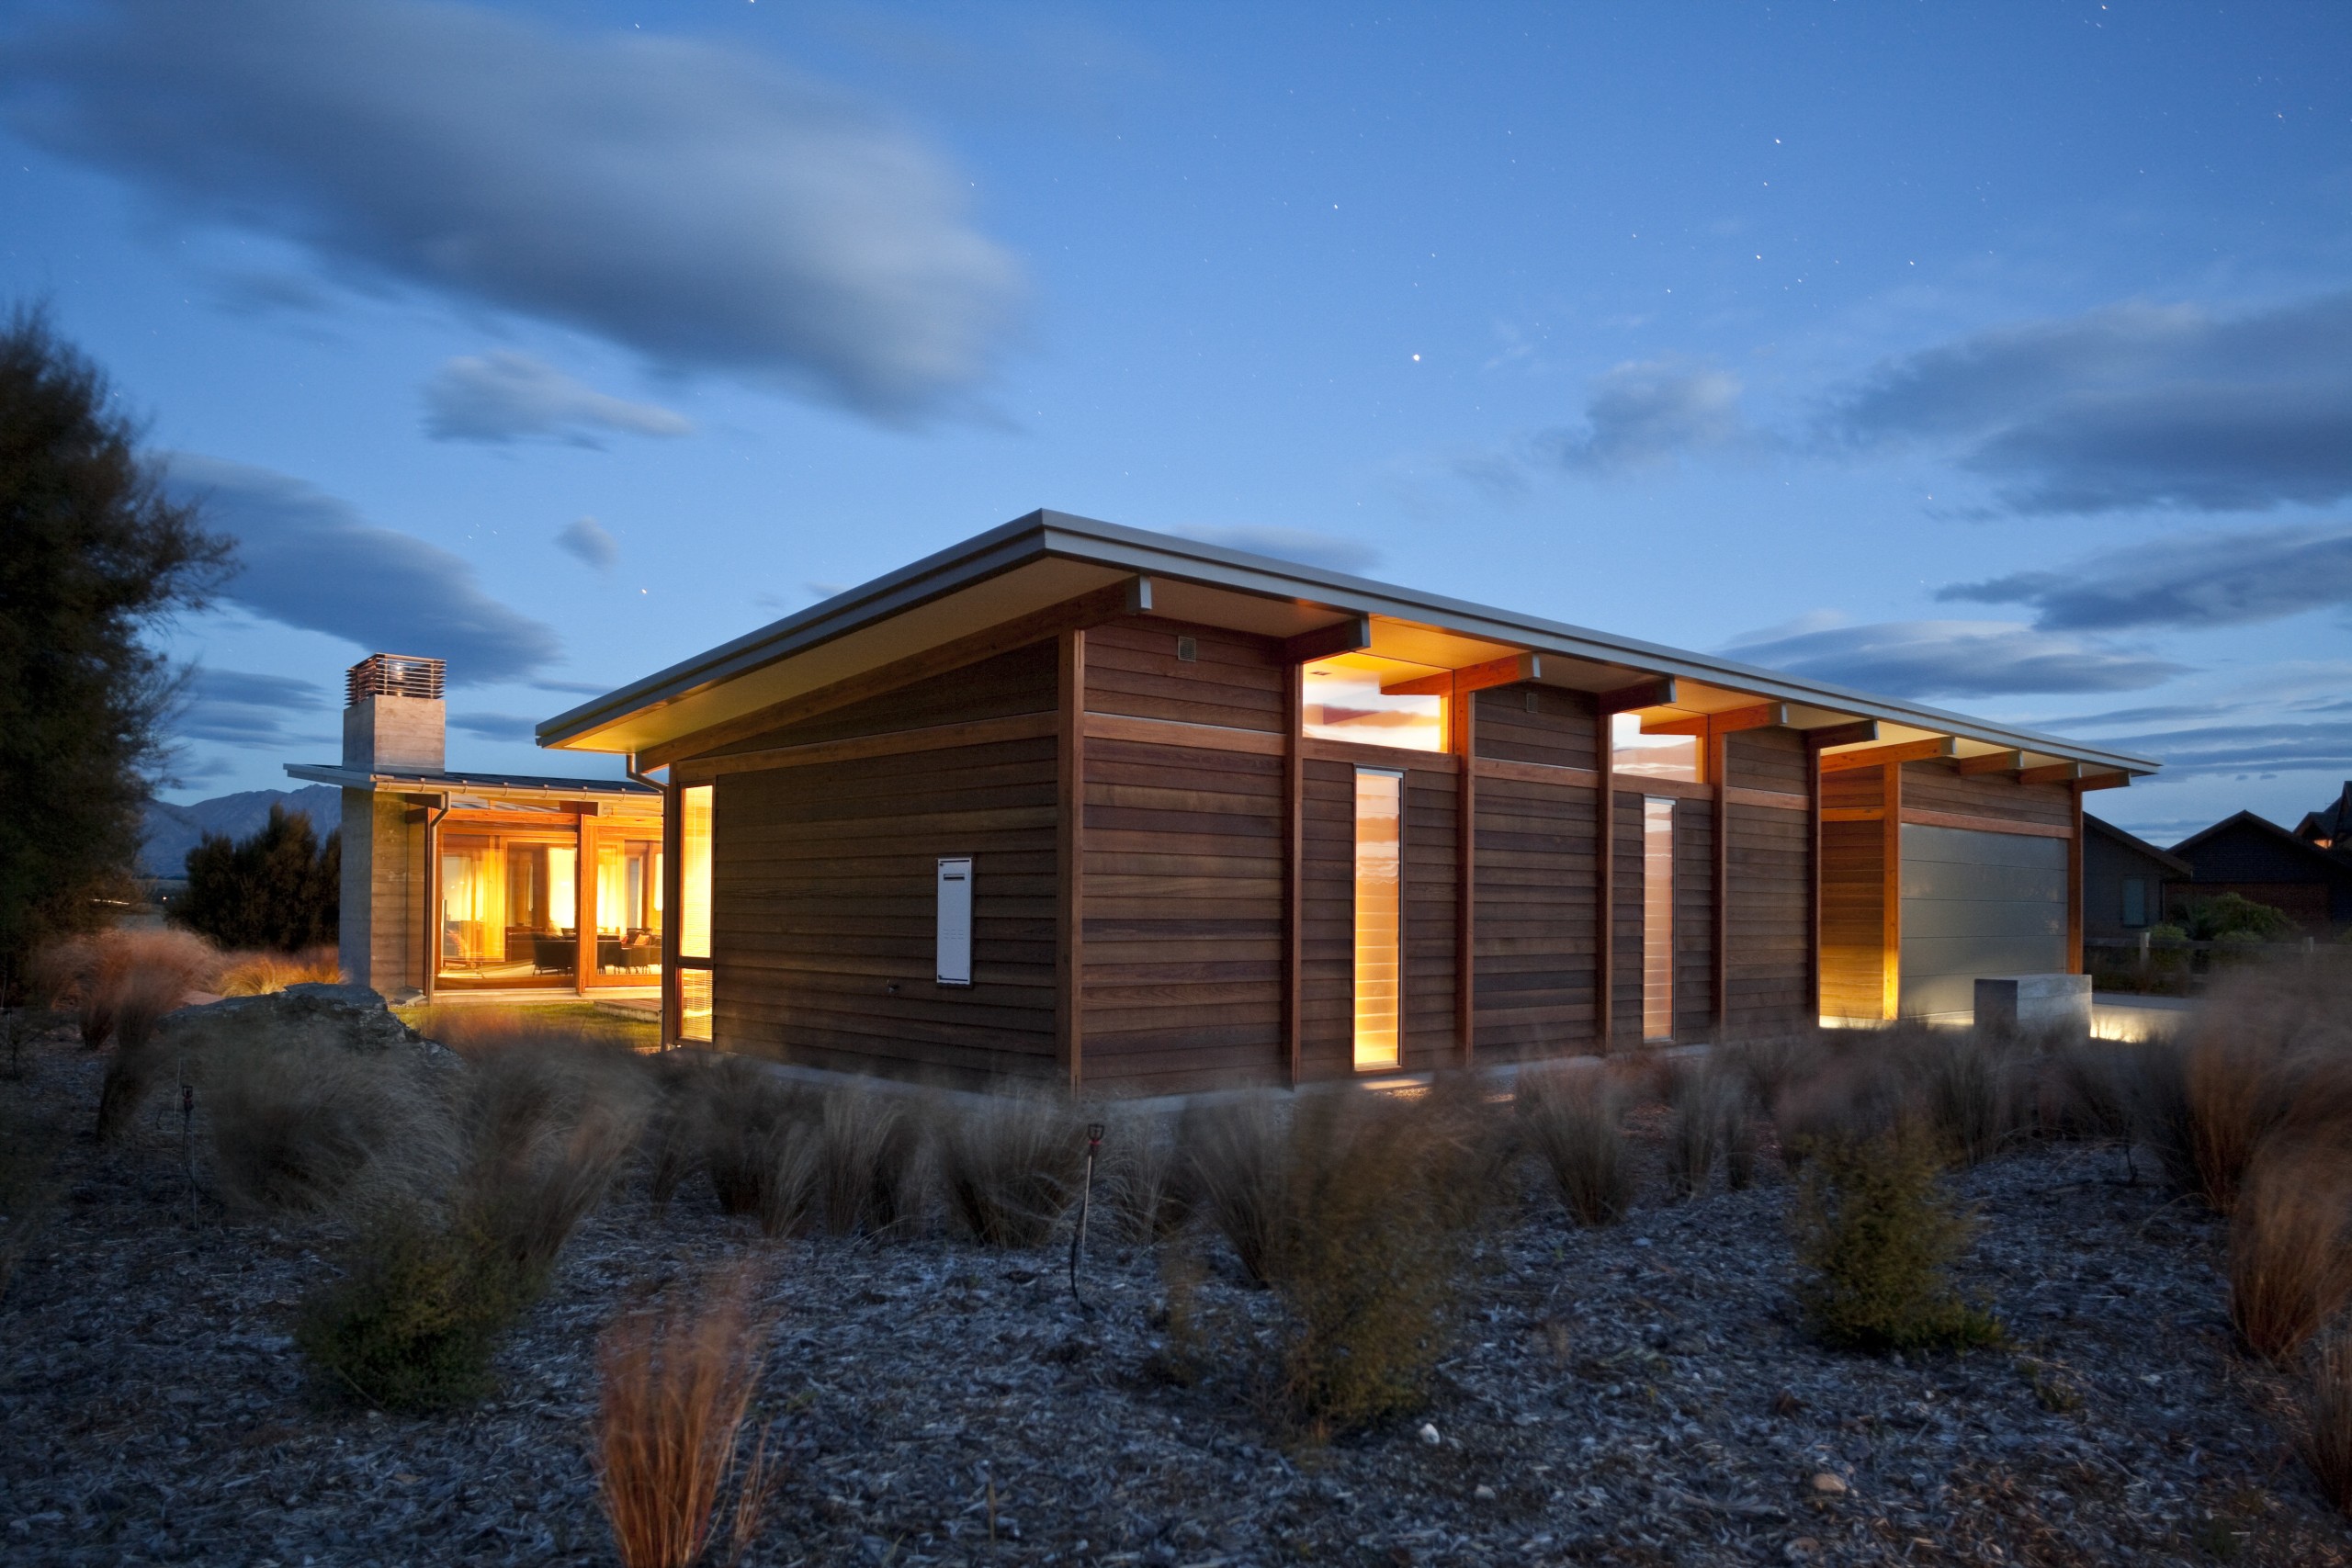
[395, 719]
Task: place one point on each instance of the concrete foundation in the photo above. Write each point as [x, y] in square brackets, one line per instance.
[2034, 1002]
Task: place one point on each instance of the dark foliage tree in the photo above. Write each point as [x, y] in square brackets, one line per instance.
[281, 889]
[92, 556]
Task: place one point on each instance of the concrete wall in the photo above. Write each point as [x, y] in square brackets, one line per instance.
[383, 891]
[396, 733]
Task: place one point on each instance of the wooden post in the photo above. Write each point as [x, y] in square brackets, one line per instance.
[1295, 873]
[1719, 774]
[2075, 885]
[583, 898]
[673, 1011]
[1464, 740]
[432, 910]
[1604, 871]
[1070, 949]
[1813, 881]
[1890, 967]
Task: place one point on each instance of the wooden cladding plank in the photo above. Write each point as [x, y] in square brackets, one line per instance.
[1175, 732]
[1770, 799]
[932, 738]
[1926, 819]
[1535, 773]
[1069, 912]
[1940, 746]
[1942, 786]
[1357, 755]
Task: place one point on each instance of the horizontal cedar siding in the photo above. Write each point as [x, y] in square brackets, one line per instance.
[1766, 759]
[1941, 787]
[1694, 919]
[1432, 876]
[1854, 897]
[823, 896]
[1625, 1006]
[1021, 681]
[1537, 879]
[1237, 680]
[1770, 919]
[1854, 789]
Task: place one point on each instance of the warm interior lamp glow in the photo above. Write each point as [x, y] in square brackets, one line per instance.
[1342, 701]
[1651, 756]
[1657, 919]
[1379, 970]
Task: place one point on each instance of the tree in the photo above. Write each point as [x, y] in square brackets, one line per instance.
[281, 889]
[2234, 914]
[92, 556]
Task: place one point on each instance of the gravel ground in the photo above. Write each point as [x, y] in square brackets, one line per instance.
[1642, 1394]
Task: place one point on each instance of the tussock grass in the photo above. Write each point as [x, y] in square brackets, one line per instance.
[869, 1162]
[2291, 1247]
[1144, 1177]
[1707, 1105]
[676, 1384]
[1009, 1166]
[1239, 1152]
[1572, 1119]
[263, 974]
[293, 1127]
[1876, 1235]
[760, 1145]
[545, 1126]
[138, 1061]
[1962, 1082]
[97, 976]
[2326, 1441]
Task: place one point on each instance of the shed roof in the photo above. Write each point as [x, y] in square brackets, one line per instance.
[2329, 867]
[1030, 564]
[2138, 846]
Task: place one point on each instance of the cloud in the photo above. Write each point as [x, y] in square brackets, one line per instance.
[241, 707]
[308, 560]
[2231, 749]
[1308, 546]
[699, 204]
[1645, 413]
[585, 539]
[2187, 580]
[495, 726]
[1955, 659]
[2131, 406]
[505, 397]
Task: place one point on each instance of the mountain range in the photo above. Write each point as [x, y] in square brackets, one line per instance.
[172, 830]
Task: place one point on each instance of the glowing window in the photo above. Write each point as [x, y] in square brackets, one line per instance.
[1380, 814]
[1651, 756]
[694, 871]
[1343, 702]
[1657, 919]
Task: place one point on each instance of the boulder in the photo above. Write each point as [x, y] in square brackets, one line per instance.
[349, 1018]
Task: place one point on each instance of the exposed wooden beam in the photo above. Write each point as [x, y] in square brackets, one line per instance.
[1106, 604]
[1693, 724]
[1351, 635]
[1069, 861]
[2103, 781]
[1652, 694]
[1463, 717]
[2056, 772]
[1891, 888]
[1293, 871]
[1470, 678]
[1889, 756]
[1853, 734]
[1994, 762]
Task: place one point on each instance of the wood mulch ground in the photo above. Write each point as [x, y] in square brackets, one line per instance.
[1639, 1395]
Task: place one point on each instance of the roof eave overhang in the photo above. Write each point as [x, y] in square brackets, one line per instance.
[1043, 534]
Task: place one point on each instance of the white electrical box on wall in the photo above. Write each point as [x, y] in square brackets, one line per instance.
[954, 919]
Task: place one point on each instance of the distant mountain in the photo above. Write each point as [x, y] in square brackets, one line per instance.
[173, 830]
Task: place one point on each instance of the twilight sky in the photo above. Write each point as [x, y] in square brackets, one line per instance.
[1998, 355]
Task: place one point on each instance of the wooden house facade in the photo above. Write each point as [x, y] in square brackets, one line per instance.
[1076, 802]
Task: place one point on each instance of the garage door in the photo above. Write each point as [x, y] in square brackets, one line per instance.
[1977, 904]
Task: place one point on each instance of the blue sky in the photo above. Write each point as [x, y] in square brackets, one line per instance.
[1995, 355]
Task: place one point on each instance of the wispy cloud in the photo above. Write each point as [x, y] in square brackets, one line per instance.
[502, 398]
[243, 707]
[1308, 546]
[1647, 413]
[494, 725]
[2131, 406]
[1955, 659]
[586, 540]
[309, 559]
[700, 204]
[2186, 580]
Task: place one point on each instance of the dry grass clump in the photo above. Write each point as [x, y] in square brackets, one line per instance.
[677, 1385]
[869, 1152]
[263, 974]
[760, 1145]
[1707, 1118]
[1145, 1178]
[2326, 1441]
[1877, 1234]
[139, 1002]
[1774, 1063]
[1240, 1155]
[295, 1127]
[2291, 1247]
[1963, 1082]
[1571, 1118]
[546, 1127]
[1009, 1166]
[99, 976]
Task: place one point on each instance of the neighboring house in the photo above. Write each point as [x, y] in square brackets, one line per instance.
[2262, 861]
[1078, 802]
[542, 887]
[2125, 880]
[2330, 828]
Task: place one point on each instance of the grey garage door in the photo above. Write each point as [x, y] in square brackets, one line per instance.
[1977, 904]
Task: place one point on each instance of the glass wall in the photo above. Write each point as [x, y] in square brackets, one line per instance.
[509, 909]
[1342, 701]
[694, 912]
[1379, 926]
[629, 906]
[1651, 756]
[1657, 919]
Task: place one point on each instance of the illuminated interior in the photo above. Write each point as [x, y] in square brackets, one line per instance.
[1379, 918]
[1651, 756]
[1342, 701]
[694, 912]
[509, 904]
[628, 905]
[1657, 919]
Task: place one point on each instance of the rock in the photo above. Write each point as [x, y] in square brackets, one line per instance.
[1483, 1494]
[350, 1017]
[1828, 1483]
[1428, 1434]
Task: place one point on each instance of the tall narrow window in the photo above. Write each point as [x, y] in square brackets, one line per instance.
[694, 912]
[2135, 902]
[1657, 919]
[1380, 971]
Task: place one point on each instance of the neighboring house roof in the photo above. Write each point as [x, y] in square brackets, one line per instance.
[398, 780]
[2207, 849]
[1046, 557]
[2138, 846]
[2331, 823]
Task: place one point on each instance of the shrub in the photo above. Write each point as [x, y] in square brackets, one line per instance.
[291, 1127]
[2291, 1247]
[411, 1322]
[1009, 1166]
[675, 1387]
[1704, 1102]
[1572, 1119]
[1876, 1234]
[279, 889]
[2326, 1441]
[263, 974]
[2233, 914]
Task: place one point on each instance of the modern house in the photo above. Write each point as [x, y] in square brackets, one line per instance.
[1078, 802]
[475, 882]
[2126, 880]
[2256, 857]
